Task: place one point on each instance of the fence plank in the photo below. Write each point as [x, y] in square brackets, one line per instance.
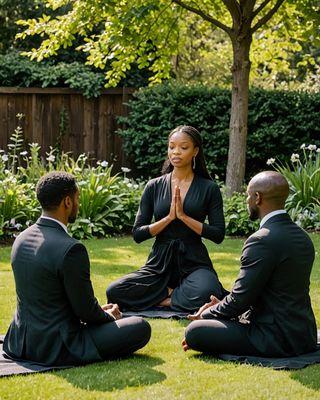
[63, 116]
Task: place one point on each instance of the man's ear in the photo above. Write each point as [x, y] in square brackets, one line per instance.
[258, 197]
[67, 202]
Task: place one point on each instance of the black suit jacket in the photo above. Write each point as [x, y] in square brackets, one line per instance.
[273, 282]
[55, 299]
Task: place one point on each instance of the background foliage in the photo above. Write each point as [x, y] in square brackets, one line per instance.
[279, 121]
[284, 54]
[108, 203]
[169, 40]
[16, 70]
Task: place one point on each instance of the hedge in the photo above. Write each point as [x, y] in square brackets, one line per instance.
[279, 122]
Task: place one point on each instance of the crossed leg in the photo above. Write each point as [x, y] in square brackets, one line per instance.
[219, 336]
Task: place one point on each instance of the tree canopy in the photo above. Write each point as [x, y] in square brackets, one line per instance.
[150, 33]
[154, 33]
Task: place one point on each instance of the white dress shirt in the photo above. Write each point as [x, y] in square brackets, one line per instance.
[55, 220]
[270, 215]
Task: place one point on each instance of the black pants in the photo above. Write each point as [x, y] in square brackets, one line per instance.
[142, 289]
[220, 336]
[122, 337]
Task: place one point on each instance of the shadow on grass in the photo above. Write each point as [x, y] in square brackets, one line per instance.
[115, 375]
[309, 377]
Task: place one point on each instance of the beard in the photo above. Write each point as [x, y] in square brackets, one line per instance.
[73, 216]
[71, 219]
[253, 213]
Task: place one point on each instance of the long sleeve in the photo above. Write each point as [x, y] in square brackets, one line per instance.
[215, 229]
[144, 216]
[78, 286]
[257, 264]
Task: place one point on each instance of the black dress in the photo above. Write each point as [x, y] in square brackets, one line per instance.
[178, 258]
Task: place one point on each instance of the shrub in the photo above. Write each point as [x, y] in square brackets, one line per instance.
[303, 175]
[278, 122]
[108, 203]
[237, 217]
[16, 70]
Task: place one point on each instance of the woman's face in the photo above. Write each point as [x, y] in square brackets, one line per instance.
[181, 150]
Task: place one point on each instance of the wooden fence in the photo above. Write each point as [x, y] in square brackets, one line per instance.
[63, 117]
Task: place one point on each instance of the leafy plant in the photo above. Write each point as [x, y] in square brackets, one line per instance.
[303, 175]
[108, 203]
[237, 217]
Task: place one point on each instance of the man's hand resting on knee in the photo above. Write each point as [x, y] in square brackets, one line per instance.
[113, 310]
[197, 315]
[213, 300]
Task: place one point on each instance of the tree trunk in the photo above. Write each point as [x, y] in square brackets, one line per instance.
[239, 113]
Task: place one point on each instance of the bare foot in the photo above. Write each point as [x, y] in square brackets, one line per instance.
[165, 303]
[185, 345]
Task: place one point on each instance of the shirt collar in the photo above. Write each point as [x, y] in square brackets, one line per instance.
[270, 215]
[55, 220]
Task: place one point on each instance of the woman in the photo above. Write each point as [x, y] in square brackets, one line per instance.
[178, 272]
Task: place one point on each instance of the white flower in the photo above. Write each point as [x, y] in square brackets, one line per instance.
[216, 177]
[129, 185]
[20, 115]
[51, 158]
[1, 151]
[294, 157]
[312, 147]
[318, 150]
[125, 169]
[23, 153]
[104, 164]
[5, 157]
[302, 146]
[18, 226]
[271, 161]
[12, 221]
[6, 171]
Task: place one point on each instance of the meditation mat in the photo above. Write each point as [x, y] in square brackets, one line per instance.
[296, 362]
[10, 367]
[157, 312]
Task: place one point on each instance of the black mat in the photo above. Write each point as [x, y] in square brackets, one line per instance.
[9, 367]
[157, 312]
[296, 362]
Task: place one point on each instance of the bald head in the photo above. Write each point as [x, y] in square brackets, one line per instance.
[272, 186]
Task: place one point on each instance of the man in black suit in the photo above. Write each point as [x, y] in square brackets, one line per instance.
[273, 284]
[58, 321]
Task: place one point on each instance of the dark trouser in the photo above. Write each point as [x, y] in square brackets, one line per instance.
[220, 336]
[122, 337]
[141, 290]
[195, 290]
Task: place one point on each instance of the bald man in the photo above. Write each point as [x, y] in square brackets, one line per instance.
[272, 286]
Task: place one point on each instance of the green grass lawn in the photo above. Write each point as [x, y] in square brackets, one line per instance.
[161, 370]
